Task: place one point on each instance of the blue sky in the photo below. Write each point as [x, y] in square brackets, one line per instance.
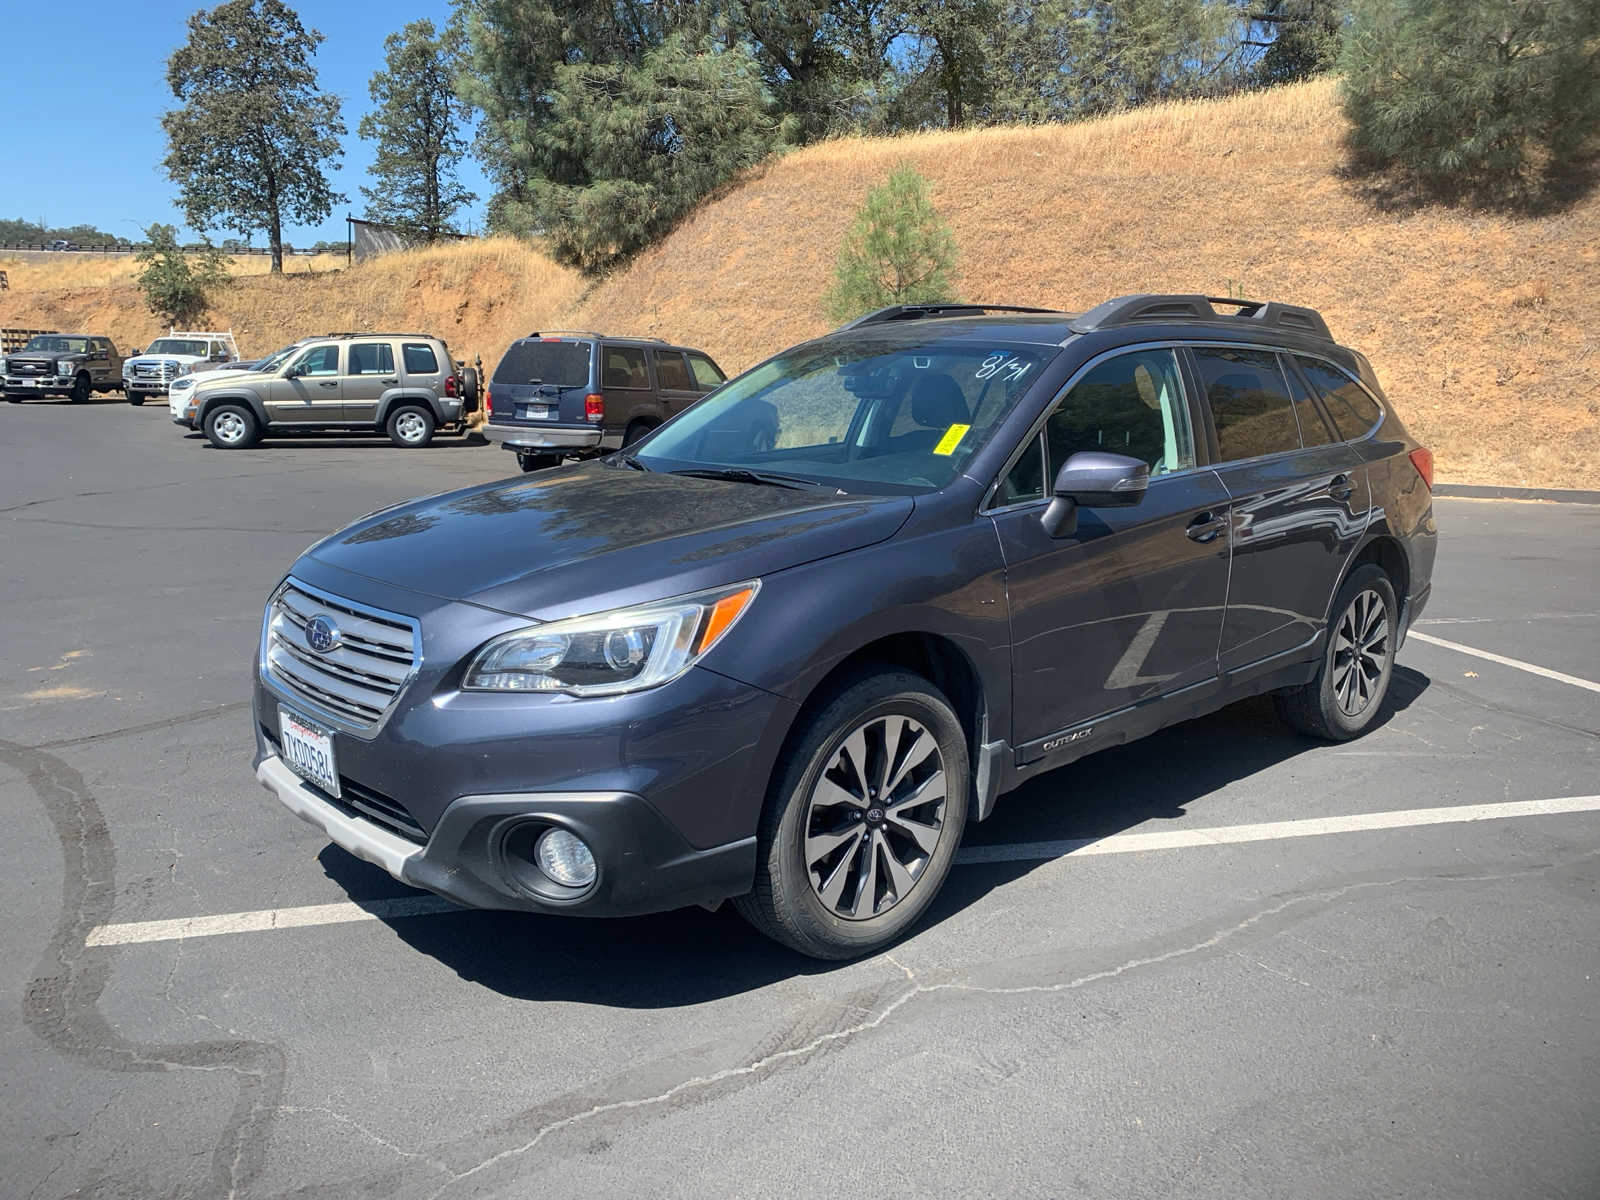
[86, 101]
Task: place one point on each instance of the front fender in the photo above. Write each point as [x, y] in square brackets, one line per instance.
[232, 396]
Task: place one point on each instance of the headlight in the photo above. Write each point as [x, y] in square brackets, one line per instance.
[627, 650]
[127, 370]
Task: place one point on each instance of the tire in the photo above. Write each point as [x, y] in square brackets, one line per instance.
[13, 398]
[634, 432]
[469, 390]
[1349, 690]
[850, 906]
[136, 399]
[537, 462]
[410, 426]
[232, 427]
[82, 389]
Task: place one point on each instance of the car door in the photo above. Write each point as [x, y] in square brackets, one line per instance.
[370, 374]
[674, 384]
[1130, 605]
[625, 382]
[310, 391]
[1297, 505]
[100, 365]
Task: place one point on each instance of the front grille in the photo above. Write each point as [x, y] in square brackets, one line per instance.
[359, 800]
[30, 368]
[356, 682]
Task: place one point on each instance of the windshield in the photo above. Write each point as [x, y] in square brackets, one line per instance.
[553, 361]
[865, 413]
[56, 344]
[177, 346]
[275, 360]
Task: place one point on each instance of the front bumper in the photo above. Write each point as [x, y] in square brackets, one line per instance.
[36, 385]
[555, 438]
[472, 857]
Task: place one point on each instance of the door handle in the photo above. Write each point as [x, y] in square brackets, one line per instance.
[1339, 487]
[1206, 526]
[327, 385]
[390, 382]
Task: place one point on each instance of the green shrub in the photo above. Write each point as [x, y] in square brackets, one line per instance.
[898, 250]
[1489, 100]
[175, 284]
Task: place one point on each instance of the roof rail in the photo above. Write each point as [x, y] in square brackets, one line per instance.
[350, 333]
[615, 337]
[922, 312]
[1146, 308]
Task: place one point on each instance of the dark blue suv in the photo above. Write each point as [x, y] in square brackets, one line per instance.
[786, 646]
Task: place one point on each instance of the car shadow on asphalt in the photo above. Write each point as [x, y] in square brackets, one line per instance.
[692, 956]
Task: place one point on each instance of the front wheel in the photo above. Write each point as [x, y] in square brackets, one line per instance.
[232, 427]
[863, 818]
[411, 426]
[82, 389]
[1350, 686]
[136, 399]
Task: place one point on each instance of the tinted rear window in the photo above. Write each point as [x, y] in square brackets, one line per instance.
[671, 374]
[565, 364]
[371, 358]
[1249, 402]
[1314, 430]
[1354, 412]
[624, 368]
[420, 359]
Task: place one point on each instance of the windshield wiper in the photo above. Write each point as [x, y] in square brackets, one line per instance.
[629, 460]
[746, 475]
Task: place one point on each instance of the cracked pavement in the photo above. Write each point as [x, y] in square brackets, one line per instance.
[1408, 1011]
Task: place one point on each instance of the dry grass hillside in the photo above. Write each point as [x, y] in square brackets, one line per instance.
[1483, 328]
[477, 295]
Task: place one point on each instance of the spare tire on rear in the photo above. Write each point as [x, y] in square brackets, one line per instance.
[469, 390]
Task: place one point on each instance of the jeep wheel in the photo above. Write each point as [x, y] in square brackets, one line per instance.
[1357, 663]
[81, 389]
[862, 821]
[232, 427]
[530, 461]
[410, 426]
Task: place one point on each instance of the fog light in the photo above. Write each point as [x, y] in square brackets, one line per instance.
[565, 858]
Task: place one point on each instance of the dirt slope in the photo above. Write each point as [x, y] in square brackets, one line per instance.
[1482, 328]
[477, 295]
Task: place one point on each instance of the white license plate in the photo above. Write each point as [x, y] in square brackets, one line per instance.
[533, 412]
[309, 751]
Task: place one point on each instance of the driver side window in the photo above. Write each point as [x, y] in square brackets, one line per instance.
[319, 360]
[1132, 404]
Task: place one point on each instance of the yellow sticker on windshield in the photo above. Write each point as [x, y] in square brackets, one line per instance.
[951, 439]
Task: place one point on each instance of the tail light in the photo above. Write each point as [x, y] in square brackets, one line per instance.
[488, 403]
[1422, 460]
[594, 407]
[452, 386]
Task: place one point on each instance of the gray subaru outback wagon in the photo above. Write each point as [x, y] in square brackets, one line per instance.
[788, 670]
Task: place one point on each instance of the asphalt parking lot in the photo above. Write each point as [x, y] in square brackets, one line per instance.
[1225, 961]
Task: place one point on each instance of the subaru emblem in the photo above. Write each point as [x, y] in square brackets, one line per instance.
[322, 635]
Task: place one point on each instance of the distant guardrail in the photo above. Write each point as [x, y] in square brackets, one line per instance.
[35, 247]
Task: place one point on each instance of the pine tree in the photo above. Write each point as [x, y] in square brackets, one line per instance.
[255, 134]
[898, 250]
[176, 287]
[416, 123]
[1486, 99]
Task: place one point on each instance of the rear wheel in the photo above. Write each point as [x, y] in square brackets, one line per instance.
[636, 431]
[232, 427]
[411, 426]
[82, 389]
[862, 822]
[1350, 686]
[529, 461]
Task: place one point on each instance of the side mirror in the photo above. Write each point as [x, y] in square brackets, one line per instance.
[1093, 479]
[293, 372]
[136, 352]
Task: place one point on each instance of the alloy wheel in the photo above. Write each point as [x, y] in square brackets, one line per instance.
[875, 817]
[411, 427]
[1360, 652]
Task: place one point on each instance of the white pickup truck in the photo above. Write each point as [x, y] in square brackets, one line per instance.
[167, 358]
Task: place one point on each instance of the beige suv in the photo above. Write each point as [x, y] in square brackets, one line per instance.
[402, 383]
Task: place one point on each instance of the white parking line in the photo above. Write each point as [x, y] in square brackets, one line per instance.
[1506, 662]
[264, 920]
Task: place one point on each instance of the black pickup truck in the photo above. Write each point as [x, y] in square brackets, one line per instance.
[62, 364]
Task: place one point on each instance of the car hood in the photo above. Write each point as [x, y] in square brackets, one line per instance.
[186, 359]
[236, 378]
[594, 537]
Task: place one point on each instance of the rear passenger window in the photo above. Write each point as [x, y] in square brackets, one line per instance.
[1249, 402]
[624, 368]
[420, 359]
[706, 373]
[671, 373]
[1354, 412]
[371, 358]
[1314, 429]
[1132, 404]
